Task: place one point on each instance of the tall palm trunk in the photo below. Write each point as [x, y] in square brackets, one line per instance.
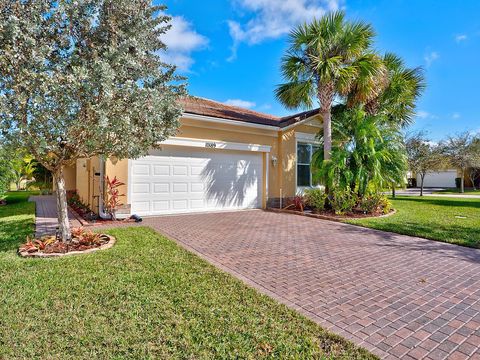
[62, 208]
[327, 134]
[325, 97]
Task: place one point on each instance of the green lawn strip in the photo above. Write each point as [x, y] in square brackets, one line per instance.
[452, 220]
[17, 220]
[144, 298]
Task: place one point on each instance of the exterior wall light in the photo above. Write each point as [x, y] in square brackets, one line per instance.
[274, 161]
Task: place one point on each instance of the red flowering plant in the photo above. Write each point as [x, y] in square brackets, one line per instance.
[112, 198]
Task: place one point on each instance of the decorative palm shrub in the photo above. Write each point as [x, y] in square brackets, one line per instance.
[368, 154]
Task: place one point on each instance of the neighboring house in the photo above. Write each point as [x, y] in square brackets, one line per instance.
[222, 158]
[441, 178]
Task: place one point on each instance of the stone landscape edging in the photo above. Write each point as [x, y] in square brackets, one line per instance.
[326, 217]
[106, 246]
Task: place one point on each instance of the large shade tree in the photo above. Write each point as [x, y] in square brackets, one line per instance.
[329, 57]
[423, 156]
[85, 78]
[461, 151]
[473, 171]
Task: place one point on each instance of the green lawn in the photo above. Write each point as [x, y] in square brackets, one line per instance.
[468, 191]
[144, 298]
[452, 220]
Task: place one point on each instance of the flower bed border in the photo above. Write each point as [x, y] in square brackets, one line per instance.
[330, 218]
[38, 254]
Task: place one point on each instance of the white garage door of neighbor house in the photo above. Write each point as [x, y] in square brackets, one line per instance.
[182, 179]
[439, 179]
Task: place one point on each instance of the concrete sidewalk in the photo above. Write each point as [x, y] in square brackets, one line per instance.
[46, 215]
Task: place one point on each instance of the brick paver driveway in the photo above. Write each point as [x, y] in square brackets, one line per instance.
[398, 296]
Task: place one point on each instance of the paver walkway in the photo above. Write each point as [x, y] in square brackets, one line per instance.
[398, 296]
[46, 215]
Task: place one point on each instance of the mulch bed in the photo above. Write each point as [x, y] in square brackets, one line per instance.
[86, 222]
[330, 215]
[49, 246]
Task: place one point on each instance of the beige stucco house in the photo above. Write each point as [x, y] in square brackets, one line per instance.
[222, 158]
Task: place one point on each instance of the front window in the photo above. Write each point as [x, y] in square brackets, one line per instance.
[304, 160]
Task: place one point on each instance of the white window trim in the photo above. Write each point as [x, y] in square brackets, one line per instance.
[307, 138]
[304, 140]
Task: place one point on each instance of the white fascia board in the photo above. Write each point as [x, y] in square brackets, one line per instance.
[229, 122]
[215, 144]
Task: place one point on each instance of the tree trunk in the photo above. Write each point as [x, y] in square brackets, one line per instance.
[421, 184]
[327, 134]
[393, 191]
[472, 176]
[462, 181]
[62, 208]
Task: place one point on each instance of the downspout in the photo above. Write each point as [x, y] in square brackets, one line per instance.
[101, 207]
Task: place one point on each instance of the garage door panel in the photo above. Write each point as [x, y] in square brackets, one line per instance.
[161, 170]
[141, 169]
[195, 180]
[141, 188]
[161, 188]
[160, 205]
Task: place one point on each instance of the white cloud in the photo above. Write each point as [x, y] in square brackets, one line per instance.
[422, 114]
[240, 103]
[274, 18]
[460, 38]
[456, 115]
[431, 57]
[181, 41]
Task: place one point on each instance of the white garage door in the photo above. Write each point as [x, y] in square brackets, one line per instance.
[181, 179]
[439, 179]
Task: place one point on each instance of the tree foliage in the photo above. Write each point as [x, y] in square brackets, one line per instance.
[329, 56]
[462, 151]
[85, 78]
[368, 153]
[423, 156]
[6, 173]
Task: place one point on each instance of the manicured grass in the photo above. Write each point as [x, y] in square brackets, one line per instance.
[452, 220]
[144, 298]
[468, 191]
[16, 220]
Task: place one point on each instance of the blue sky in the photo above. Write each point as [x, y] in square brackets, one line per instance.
[230, 50]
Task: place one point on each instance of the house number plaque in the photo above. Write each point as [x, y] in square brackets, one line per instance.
[210, 145]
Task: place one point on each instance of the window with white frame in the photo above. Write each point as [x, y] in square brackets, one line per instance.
[305, 152]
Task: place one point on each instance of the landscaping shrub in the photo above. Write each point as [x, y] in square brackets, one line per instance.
[296, 203]
[343, 201]
[315, 198]
[375, 204]
[74, 201]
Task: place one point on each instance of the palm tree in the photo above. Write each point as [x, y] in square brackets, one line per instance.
[329, 57]
[396, 101]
